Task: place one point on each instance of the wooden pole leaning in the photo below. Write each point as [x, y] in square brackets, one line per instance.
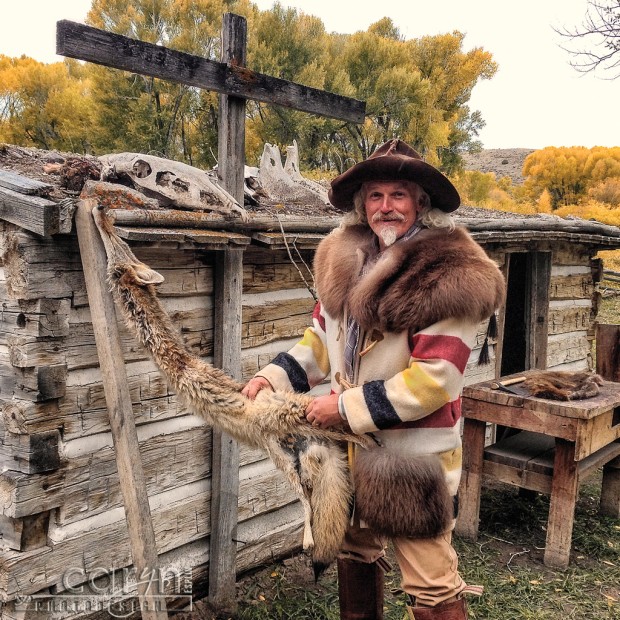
[116, 388]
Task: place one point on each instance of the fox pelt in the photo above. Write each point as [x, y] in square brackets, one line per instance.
[311, 458]
[563, 385]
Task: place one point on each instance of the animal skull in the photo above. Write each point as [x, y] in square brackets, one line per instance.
[173, 183]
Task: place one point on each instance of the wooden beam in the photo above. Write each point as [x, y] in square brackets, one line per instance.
[537, 314]
[114, 50]
[227, 332]
[608, 351]
[118, 400]
[172, 218]
[23, 185]
[33, 213]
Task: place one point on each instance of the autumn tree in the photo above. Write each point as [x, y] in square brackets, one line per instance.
[568, 173]
[45, 106]
[145, 114]
[415, 89]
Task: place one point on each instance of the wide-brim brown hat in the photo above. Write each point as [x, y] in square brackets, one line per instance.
[394, 161]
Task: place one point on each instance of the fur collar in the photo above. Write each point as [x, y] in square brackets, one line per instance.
[433, 276]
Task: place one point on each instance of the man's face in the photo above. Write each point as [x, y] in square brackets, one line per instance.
[391, 209]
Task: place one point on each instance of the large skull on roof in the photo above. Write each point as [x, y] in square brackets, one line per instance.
[173, 183]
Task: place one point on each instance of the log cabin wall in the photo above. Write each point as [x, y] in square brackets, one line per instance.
[61, 506]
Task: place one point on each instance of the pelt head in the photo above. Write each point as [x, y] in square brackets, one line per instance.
[121, 260]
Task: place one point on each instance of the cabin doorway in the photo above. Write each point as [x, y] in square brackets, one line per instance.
[525, 328]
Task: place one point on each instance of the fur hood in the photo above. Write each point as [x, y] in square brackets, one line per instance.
[433, 276]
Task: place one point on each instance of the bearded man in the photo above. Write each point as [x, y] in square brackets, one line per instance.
[402, 294]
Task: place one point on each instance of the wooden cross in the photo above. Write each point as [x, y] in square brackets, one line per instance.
[235, 83]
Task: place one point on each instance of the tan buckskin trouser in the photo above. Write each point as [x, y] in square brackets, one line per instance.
[429, 567]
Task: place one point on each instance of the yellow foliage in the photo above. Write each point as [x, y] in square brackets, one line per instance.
[592, 210]
[544, 203]
[607, 190]
[611, 259]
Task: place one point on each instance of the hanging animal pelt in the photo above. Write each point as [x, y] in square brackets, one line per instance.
[563, 385]
[310, 457]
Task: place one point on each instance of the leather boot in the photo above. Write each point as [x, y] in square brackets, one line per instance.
[452, 610]
[360, 590]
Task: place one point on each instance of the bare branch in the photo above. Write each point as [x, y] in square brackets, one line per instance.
[600, 32]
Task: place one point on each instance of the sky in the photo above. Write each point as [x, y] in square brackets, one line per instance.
[535, 100]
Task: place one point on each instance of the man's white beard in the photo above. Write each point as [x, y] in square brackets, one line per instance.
[388, 235]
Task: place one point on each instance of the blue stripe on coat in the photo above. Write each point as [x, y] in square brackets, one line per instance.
[294, 371]
[381, 410]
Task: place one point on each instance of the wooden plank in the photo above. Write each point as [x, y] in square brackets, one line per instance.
[524, 419]
[172, 218]
[471, 480]
[537, 313]
[596, 433]
[260, 278]
[25, 534]
[37, 384]
[23, 185]
[521, 450]
[608, 351]
[265, 539]
[180, 516]
[227, 340]
[576, 286]
[517, 476]
[36, 214]
[213, 239]
[301, 241]
[40, 318]
[567, 348]
[30, 454]
[113, 50]
[27, 494]
[569, 317]
[610, 490]
[89, 481]
[564, 488]
[270, 321]
[131, 474]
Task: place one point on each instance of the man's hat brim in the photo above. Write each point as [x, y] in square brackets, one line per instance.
[395, 166]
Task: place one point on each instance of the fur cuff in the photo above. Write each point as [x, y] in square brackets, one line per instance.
[402, 496]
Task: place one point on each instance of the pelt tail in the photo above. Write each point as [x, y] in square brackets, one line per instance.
[331, 491]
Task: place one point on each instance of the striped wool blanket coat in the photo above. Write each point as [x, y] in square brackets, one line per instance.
[419, 305]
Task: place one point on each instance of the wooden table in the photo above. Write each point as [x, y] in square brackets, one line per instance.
[561, 443]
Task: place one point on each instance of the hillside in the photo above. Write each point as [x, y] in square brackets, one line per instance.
[503, 162]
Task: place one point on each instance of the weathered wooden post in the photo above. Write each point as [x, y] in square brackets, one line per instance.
[227, 337]
[122, 425]
[608, 351]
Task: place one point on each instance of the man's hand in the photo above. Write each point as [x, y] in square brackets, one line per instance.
[323, 412]
[254, 386]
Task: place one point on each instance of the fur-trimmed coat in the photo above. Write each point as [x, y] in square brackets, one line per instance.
[419, 306]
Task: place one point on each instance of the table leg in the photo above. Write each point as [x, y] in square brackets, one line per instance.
[564, 490]
[610, 490]
[471, 479]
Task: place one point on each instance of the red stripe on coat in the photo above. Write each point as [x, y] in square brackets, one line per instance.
[316, 314]
[445, 417]
[450, 348]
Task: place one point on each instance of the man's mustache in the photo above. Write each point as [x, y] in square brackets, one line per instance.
[392, 217]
